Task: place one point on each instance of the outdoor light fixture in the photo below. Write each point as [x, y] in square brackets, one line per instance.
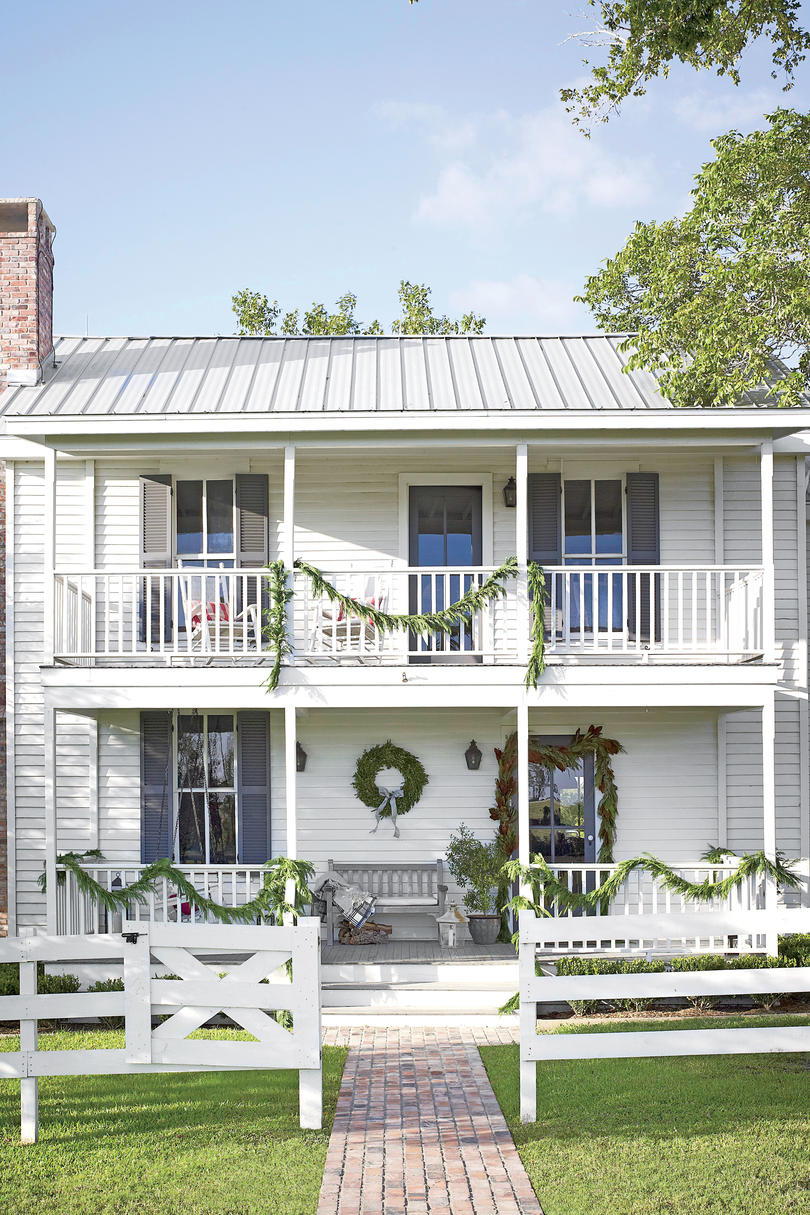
[510, 493]
[300, 758]
[473, 756]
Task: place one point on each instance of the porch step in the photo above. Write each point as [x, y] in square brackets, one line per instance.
[494, 973]
[415, 1018]
[396, 992]
[429, 997]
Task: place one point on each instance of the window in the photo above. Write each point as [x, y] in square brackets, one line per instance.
[561, 812]
[206, 827]
[593, 534]
[206, 523]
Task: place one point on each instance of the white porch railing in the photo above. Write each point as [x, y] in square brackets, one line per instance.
[154, 615]
[164, 613]
[324, 631]
[76, 912]
[680, 610]
[642, 894]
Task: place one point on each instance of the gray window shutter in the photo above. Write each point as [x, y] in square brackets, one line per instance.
[156, 785]
[252, 495]
[156, 551]
[545, 518]
[253, 739]
[643, 548]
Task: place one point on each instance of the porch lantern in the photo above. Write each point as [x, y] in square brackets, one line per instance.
[473, 757]
[510, 493]
[300, 758]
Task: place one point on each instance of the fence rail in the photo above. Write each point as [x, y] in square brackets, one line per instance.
[659, 932]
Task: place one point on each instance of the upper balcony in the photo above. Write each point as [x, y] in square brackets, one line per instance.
[642, 613]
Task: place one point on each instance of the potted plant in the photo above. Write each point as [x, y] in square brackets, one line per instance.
[476, 868]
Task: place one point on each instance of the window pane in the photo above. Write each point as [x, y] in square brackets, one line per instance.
[190, 773]
[189, 517]
[541, 842]
[577, 517]
[219, 509]
[222, 827]
[569, 845]
[569, 789]
[608, 512]
[220, 751]
[191, 829]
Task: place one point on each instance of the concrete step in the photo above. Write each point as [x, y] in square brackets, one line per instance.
[414, 1017]
[424, 996]
[499, 971]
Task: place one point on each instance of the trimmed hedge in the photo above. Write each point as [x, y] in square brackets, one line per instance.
[687, 963]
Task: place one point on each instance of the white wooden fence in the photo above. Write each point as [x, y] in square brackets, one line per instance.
[536, 989]
[248, 991]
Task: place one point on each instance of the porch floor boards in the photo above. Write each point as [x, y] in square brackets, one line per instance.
[415, 951]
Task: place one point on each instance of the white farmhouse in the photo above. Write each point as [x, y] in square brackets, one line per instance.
[150, 481]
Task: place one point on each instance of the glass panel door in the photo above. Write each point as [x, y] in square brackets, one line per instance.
[593, 535]
[561, 811]
[445, 531]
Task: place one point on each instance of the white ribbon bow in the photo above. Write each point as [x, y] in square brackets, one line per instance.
[389, 802]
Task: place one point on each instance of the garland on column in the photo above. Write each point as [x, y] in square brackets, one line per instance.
[270, 903]
[444, 620]
[547, 888]
[561, 757]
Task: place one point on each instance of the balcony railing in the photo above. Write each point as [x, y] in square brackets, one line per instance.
[671, 610]
[696, 612]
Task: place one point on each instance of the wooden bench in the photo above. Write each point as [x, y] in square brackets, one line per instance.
[416, 888]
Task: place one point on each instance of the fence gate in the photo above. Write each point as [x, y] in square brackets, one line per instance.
[249, 973]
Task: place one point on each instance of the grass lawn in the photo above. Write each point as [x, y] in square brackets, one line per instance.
[218, 1143]
[697, 1136]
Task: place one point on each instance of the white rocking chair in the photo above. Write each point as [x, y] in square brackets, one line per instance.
[338, 632]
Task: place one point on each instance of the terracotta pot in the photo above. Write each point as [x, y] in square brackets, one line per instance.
[484, 929]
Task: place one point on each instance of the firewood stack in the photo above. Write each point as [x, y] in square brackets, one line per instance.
[371, 933]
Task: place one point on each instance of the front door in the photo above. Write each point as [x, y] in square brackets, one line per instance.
[445, 532]
[562, 817]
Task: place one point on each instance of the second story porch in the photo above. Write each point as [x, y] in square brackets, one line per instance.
[649, 555]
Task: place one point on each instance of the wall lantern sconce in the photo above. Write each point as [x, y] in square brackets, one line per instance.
[510, 493]
[473, 757]
[300, 758]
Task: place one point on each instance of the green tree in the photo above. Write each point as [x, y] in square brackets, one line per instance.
[645, 37]
[256, 314]
[715, 296]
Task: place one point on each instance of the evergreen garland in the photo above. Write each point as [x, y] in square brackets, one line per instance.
[563, 757]
[388, 755]
[547, 888]
[444, 620]
[269, 904]
[275, 620]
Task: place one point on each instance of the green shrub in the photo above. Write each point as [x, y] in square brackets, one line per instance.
[115, 1022]
[796, 946]
[609, 966]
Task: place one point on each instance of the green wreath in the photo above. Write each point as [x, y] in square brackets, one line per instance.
[387, 755]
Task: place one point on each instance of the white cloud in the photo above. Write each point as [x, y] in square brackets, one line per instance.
[523, 304]
[705, 111]
[502, 167]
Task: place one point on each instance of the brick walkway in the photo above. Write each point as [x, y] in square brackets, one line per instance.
[418, 1129]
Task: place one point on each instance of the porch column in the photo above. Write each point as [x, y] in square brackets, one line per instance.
[522, 547]
[769, 806]
[523, 781]
[48, 557]
[768, 580]
[288, 537]
[50, 814]
[290, 743]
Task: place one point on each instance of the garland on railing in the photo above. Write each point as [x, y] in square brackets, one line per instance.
[561, 757]
[276, 628]
[444, 620]
[270, 903]
[546, 887]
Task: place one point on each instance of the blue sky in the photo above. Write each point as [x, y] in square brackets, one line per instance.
[307, 148]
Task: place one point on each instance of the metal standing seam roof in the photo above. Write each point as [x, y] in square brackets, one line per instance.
[290, 375]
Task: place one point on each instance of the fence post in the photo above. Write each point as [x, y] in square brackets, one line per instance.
[310, 1098]
[29, 1087]
[528, 1019]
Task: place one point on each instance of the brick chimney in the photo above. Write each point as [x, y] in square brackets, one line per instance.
[26, 290]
